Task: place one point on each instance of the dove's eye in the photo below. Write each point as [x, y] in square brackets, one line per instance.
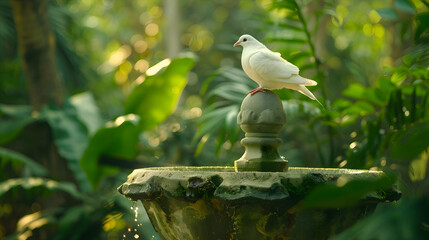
[244, 39]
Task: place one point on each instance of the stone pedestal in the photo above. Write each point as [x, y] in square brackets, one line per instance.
[261, 118]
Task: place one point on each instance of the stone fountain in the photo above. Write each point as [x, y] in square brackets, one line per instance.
[259, 198]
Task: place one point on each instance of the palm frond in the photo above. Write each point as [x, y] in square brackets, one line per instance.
[228, 87]
[73, 68]
[7, 30]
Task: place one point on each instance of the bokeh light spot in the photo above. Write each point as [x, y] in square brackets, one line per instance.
[378, 30]
[367, 29]
[342, 42]
[155, 11]
[126, 67]
[141, 65]
[140, 80]
[151, 29]
[374, 17]
[157, 67]
[120, 77]
[140, 46]
[120, 55]
[91, 22]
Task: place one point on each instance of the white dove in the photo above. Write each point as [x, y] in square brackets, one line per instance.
[269, 69]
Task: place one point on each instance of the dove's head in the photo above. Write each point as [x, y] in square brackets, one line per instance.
[246, 40]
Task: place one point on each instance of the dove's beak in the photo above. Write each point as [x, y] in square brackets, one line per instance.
[236, 44]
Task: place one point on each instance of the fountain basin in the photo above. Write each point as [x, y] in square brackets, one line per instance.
[211, 203]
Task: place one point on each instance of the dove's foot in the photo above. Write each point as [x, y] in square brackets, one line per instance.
[259, 89]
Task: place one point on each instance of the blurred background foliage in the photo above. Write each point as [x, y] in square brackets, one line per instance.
[156, 83]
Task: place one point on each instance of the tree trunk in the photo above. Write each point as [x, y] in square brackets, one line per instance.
[36, 43]
[172, 16]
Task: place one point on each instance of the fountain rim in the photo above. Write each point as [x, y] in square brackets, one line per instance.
[224, 184]
[228, 169]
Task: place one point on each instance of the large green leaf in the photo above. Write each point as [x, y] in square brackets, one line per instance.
[16, 157]
[411, 142]
[69, 133]
[359, 108]
[116, 139]
[287, 4]
[334, 196]
[33, 182]
[406, 220]
[156, 98]
[70, 137]
[405, 6]
[355, 90]
[87, 111]
[13, 120]
[388, 14]
[373, 95]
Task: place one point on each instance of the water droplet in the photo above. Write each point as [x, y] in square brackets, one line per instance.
[130, 229]
[136, 208]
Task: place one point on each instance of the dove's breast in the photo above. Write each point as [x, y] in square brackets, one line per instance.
[245, 57]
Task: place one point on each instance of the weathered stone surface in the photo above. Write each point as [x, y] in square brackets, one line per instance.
[262, 108]
[217, 203]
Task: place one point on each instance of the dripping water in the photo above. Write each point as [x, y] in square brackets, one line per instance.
[132, 233]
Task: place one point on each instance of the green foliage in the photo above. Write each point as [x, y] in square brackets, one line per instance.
[14, 119]
[7, 30]
[34, 182]
[406, 221]
[405, 6]
[393, 107]
[18, 159]
[116, 139]
[73, 67]
[220, 118]
[70, 136]
[346, 193]
[87, 111]
[411, 142]
[155, 100]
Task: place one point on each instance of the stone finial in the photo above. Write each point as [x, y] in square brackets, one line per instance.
[261, 118]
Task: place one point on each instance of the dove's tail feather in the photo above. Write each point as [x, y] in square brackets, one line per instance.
[310, 82]
[296, 79]
[302, 89]
[306, 81]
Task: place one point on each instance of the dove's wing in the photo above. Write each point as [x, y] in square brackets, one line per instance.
[271, 66]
